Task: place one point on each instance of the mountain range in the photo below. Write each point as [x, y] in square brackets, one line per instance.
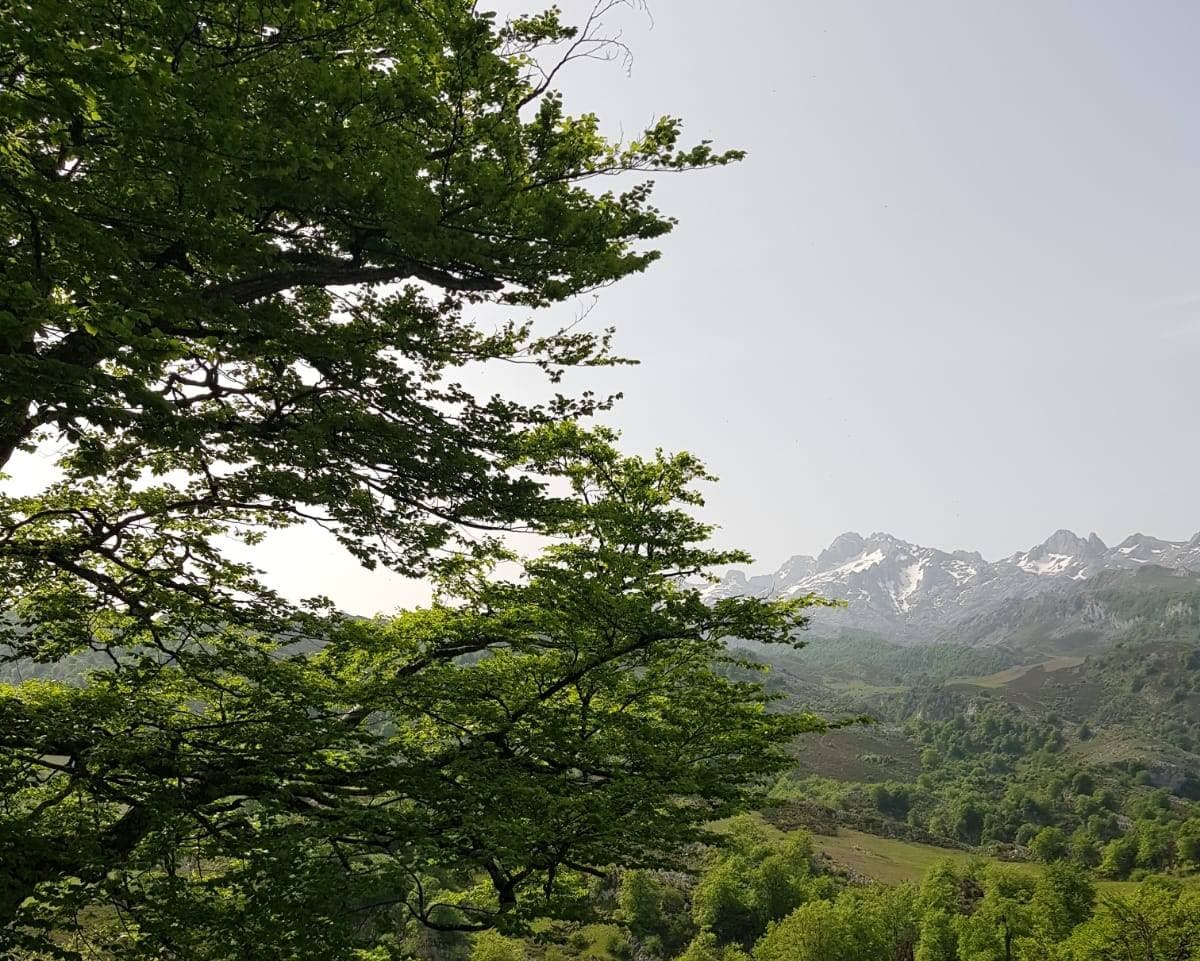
[910, 593]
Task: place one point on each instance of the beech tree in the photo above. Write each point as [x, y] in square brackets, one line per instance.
[1159, 919]
[242, 244]
[464, 766]
[246, 249]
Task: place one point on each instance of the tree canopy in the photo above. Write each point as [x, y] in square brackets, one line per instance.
[243, 243]
[248, 247]
[462, 765]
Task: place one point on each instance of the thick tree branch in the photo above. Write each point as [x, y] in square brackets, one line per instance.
[332, 272]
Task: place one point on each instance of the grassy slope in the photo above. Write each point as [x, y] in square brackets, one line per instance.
[1002, 678]
[891, 861]
[864, 753]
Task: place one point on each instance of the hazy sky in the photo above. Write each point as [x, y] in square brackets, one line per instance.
[953, 293]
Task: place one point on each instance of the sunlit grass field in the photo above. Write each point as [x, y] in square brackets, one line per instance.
[892, 861]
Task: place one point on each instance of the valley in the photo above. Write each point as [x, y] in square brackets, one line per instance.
[363, 596]
[1061, 725]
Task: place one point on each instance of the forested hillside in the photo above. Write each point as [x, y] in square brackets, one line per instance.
[1092, 759]
[772, 896]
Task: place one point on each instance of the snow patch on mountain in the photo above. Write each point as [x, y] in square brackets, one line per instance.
[912, 592]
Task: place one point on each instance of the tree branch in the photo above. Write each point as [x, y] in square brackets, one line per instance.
[334, 272]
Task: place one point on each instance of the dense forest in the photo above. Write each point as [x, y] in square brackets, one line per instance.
[766, 895]
[254, 253]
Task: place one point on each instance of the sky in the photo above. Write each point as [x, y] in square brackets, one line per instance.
[953, 292]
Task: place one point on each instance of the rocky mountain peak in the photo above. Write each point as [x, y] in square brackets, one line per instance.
[796, 567]
[909, 592]
[845, 547]
[1071, 544]
[1064, 553]
[1143, 548]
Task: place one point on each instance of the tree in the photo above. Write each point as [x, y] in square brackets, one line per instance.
[201, 206]
[1063, 898]
[1002, 919]
[1160, 919]
[783, 879]
[1119, 857]
[723, 903]
[705, 947]
[1187, 844]
[241, 242]
[1083, 782]
[753, 881]
[1050, 844]
[589, 727]
[968, 821]
[1084, 848]
[937, 937]
[941, 887]
[884, 921]
[1156, 845]
[867, 924]
[639, 896]
[656, 912]
[816, 931]
[892, 799]
[492, 946]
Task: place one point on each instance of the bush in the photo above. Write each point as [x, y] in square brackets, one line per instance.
[1049, 845]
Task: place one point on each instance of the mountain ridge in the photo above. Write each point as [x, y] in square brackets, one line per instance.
[909, 592]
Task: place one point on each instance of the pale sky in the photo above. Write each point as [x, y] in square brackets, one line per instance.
[953, 293]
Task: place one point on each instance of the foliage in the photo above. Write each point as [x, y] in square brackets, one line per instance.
[240, 239]
[874, 660]
[493, 946]
[706, 947]
[1187, 843]
[813, 932]
[655, 911]
[250, 252]
[1159, 920]
[589, 728]
[1001, 920]
[1049, 844]
[977, 910]
[752, 882]
[995, 776]
[1063, 898]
